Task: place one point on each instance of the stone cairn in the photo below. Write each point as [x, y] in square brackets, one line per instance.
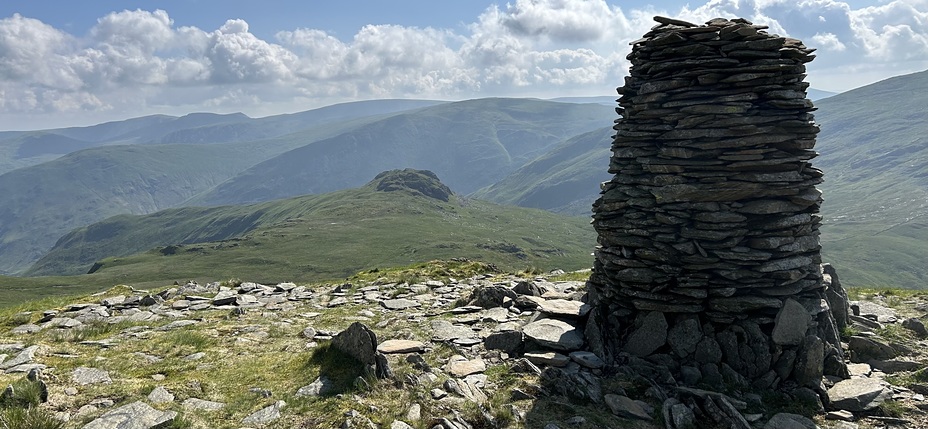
[709, 256]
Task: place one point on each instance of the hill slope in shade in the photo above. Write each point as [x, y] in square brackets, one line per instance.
[40, 203]
[393, 220]
[564, 180]
[470, 144]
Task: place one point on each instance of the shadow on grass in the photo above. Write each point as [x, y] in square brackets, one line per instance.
[338, 371]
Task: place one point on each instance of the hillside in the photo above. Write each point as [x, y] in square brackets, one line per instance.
[127, 179]
[875, 156]
[396, 219]
[564, 180]
[470, 144]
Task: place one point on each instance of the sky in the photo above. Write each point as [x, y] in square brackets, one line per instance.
[71, 63]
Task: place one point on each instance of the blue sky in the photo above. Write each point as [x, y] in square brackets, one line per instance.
[78, 63]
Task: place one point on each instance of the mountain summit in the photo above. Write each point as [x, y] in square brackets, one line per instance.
[414, 182]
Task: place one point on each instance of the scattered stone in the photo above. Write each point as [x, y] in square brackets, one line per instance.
[401, 346]
[915, 325]
[359, 342]
[507, 341]
[464, 367]
[414, 414]
[177, 324]
[563, 307]
[322, 386]
[465, 388]
[399, 304]
[195, 356]
[202, 405]
[137, 415]
[443, 330]
[587, 359]
[843, 415]
[548, 358]
[555, 334]
[85, 376]
[858, 394]
[790, 421]
[24, 329]
[624, 406]
[159, 395]
[265, 415]
[24, 357]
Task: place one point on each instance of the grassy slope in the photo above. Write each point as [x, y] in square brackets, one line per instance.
[39, 204]
[469, 144]
[328, 236]
[875, 158]
[564, 180]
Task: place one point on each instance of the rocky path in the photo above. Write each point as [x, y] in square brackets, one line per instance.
[484, 351]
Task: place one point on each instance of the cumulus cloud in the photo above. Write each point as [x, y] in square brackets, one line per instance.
[137, 60]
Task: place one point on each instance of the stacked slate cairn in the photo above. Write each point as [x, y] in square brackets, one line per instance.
[709, 259]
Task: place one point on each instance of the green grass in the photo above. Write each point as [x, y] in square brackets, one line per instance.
[312, 238]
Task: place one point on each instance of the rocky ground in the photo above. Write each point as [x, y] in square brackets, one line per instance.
[465, 347]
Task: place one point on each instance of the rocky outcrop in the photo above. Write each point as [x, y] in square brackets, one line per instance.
[709, 229]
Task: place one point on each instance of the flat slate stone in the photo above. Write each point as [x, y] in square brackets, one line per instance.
[322, 386]
[84, 376]
[25, 356]
[137, 415]
[401, 346]
[443, 330]
[160, 395]
[463, 368]
[202, 405]
[587, 359]
[27, 328]
[555, 334]
[547, 358]
[624, 406]
[265, 415]
[858, 394]
[399, 304]
[563, 307]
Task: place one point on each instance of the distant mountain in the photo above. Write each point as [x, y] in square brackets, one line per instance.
[607, 100]
[400, 217]
[470, 144]
[23, 149]
[817, 94]
[564, 180]
[40, 203]
[874, 151]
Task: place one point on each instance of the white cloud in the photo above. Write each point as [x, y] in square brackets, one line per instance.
[828, 41]
[133, 61]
